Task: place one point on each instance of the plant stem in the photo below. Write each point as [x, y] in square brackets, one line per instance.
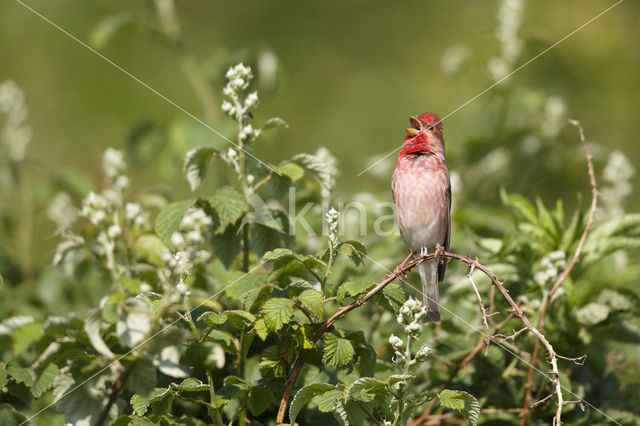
[212, 394]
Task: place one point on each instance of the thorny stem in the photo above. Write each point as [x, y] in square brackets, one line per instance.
[398, 273]
[574, 260]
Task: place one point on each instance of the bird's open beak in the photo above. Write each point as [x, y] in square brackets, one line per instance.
[416, 127]
[411, 132]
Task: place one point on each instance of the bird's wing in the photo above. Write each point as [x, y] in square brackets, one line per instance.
[442, 267]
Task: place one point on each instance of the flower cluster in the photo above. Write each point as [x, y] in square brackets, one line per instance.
[410, 317]
[239, 78]
[114, 166]
[194, 230]
[16, 133]
[135, 216]
[551, 266]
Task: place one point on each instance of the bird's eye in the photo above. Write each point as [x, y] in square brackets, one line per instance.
[430, 127]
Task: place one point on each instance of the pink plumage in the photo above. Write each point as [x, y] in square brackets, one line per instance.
[422, 195]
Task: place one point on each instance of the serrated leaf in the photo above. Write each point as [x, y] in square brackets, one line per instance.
[317, 167]
[196, 165]
[241, 319]
[229, 204]
[462, 401]
[140, 403]
[395, 295]
[227, 245]
[213, 319]
[355, 250]
[19, 374]
[277, 312]
[24, 336]
[328, 400]
[143, 377]
[368, 389]
[304, 395]
[261, 329]
[260, 398]
[338, 352]
[45, 380]
[592, 313]
[313, 300]
[192, 384]
[240, 283]
[168, 221]
[352, 288]
[255, 297]
[224, 339]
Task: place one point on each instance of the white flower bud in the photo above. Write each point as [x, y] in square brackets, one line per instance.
[231, 153]
[248, 129]
[114, 231]
[145, 288]
[226, 106]
[177, 239]
[237, 83]
[395, 341]
[423, 353]
[228, 91]
[250, 179]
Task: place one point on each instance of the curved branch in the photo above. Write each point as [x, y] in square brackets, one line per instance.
[398, 273]
[574, 261]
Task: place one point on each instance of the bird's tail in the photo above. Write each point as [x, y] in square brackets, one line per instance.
[430, 294]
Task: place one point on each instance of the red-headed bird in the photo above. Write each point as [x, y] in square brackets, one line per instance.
[422, 195]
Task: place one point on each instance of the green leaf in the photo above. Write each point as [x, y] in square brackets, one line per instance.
[134, 323]
[338, 352]
[192, 384]
[143, 377]
[229, 204]
[313, 300]
[168, 221]
[25, 336]
[239, 283]
[4, 378]
[355, 250]
[224, 339]
[45, 380]
[151, 247]
[317, 167]
[304, 395]
[227, 245]
[592, 313]
[92, 327]
[241, 319]
[213, 319]
[352, 288]
[110, 27]
[277, 312]
[140, 403]
[462, 401]
[290, 170]
[261, 329]
[395, 295]
[368, 389]
[260, 398]
[273, 123]
[329, 400]
[196, 165]
[19, 374]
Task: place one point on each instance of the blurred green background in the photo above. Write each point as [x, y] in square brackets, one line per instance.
[347, 76]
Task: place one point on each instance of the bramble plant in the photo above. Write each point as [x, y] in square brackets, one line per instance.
[232, 307]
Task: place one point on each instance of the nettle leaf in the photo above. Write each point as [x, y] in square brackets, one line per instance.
[140, 403]
[229, 204]
[277, 312]
[196, 165]
[355, 250]
[338, 352]
[273, 123]
[592, 313]
[304, 395]
[168, 220]
[462, 401]
[213, 319]
[328, 400]
[312, 300]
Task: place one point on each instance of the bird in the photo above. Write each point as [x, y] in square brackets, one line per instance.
[422, 196]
